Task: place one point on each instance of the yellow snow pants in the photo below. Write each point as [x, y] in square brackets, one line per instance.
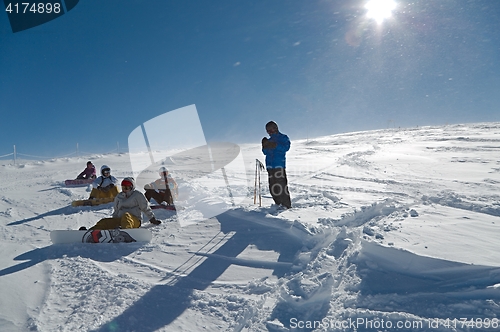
[111, 193]
[127, 220]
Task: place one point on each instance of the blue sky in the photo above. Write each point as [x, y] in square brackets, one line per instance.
[316, 67]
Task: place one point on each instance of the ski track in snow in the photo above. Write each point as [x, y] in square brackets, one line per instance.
[387, 226]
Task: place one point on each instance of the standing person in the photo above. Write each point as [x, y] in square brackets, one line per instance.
[275, 148]
[159, 191]
[105, 185]
[128, 208]
[88, 172]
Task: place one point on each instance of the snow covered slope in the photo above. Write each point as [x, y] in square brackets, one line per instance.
[391, 230]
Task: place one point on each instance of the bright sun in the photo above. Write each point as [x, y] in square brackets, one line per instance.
[379, 10]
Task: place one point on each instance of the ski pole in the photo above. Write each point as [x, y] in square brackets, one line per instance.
[255, 183]
[260, 191]
[258, 168]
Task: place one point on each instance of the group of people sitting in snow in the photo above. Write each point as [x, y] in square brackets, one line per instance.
[130, 202]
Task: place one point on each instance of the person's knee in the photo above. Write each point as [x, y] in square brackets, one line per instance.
[128, 220]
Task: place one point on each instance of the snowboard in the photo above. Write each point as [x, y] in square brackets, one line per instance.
[78, 182]
[93, 201]
[164, 207]
[101, 236]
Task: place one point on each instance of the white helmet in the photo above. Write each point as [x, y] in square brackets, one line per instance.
[105, 168]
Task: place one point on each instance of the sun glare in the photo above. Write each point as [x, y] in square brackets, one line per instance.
[379, 10]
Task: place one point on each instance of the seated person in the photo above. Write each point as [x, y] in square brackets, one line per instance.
[159, 191]
[128, 208]
[105, 185]
[88, 172]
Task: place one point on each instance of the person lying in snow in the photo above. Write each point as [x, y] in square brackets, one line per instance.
[88, 172]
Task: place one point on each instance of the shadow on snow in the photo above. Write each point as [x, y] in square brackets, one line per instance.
[39, 255]
[164, 303]
[67, 210]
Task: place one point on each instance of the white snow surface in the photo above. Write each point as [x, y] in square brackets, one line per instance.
[390, 230]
